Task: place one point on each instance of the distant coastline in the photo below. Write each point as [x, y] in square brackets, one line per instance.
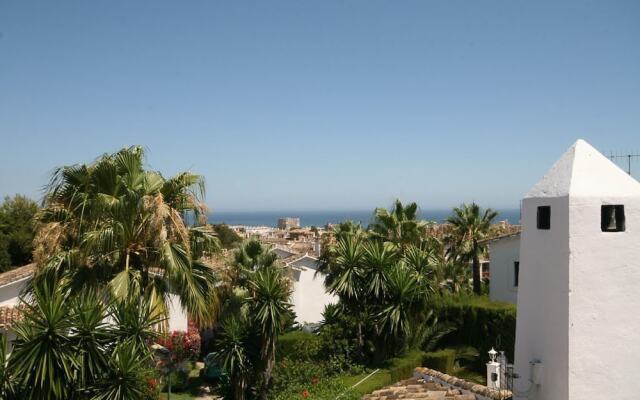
[320, 218]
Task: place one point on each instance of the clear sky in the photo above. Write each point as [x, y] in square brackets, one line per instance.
[319, 104]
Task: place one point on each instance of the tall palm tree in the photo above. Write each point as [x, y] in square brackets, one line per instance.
[398, 225]
[115, 224]
[470, 225]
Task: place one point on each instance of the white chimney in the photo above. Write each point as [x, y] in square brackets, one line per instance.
[579, 277]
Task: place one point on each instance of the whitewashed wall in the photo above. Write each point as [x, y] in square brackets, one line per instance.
[542, 330]
[578, 297]
[504, 252]
[309, 294]
[178, 318]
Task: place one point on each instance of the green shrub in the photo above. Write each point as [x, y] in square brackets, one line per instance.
[441, 360]
[403, 367]
[481, 324]
[323, 389]
[179, 381]
[299, 345]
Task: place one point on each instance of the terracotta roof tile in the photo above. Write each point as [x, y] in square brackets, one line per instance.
[17, 274]
[9, 316]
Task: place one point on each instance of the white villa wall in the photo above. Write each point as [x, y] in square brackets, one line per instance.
[309, 295]
[577, 301]
[543, 303]
[178, 318]
[504, 252]
[604, 304]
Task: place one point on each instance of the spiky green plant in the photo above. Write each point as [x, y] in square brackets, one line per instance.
[234, 352]
[44, 359]
[126, 376]
[270, 309]
[7, 384]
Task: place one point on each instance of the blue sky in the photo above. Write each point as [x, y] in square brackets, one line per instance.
[319, 104]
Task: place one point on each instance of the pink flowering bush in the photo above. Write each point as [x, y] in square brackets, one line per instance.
[183, 346]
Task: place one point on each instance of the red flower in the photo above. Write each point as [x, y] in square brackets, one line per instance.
[305, 393]
[314, 380]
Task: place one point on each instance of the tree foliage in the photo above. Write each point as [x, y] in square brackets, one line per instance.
[16, 231]
[112, 223]
[64, 349]
[255, 312]
[471, 224]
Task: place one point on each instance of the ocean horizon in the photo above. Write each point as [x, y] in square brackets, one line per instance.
[321, 218]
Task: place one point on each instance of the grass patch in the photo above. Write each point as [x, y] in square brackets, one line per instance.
[393, 370]
[193, 387]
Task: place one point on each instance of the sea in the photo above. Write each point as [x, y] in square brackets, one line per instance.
[321, 218]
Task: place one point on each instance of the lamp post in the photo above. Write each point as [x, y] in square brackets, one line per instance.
[165, 356]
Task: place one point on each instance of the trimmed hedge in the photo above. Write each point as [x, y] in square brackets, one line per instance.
[403, 367]
[441, 360]
[481, 324]
[299, 346]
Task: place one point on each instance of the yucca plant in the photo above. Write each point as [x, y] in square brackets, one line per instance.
[7, 384]
[269, 295]
[235, 352]
[126, 377]
[91, 336]
[44, 361]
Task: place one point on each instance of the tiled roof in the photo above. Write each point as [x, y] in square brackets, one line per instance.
[17, 274]
[418, 389]
[496, 238]
[9, 316]
[478, 391]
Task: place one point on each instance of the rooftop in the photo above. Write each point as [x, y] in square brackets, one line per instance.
[17, 274]
[584, 172]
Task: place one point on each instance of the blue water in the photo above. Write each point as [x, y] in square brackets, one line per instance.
[320, 218]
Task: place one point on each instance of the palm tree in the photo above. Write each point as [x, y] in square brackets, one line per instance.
[398, 225]
[454, 276]
[114, 224]
[470, 225]
[270, 293]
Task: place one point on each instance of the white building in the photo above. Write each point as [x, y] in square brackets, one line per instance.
[505, 268]
[578, 306]
[309, 294]
[12, 283]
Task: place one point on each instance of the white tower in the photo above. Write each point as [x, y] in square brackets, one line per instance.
[579, 292]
